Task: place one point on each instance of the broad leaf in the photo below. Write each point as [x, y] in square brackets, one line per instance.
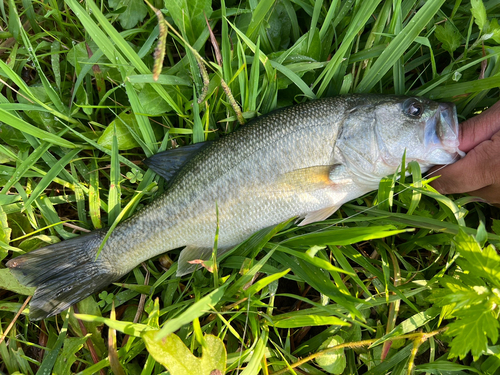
[67, 357]
[334, 362]
[5, 232]
[9, 282]
[189, 15]
[479, 12]
[472, 329]
[449, 36]
[494, 29]
[481, 263]
[496, 226]
[178, 359]
[135, 11]
[123, 124]
[35, 242]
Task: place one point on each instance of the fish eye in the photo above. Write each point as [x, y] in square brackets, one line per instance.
[413, 108]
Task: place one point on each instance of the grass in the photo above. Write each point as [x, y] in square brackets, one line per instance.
[407, 285]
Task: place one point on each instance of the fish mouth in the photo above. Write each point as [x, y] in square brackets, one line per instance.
[442, 131]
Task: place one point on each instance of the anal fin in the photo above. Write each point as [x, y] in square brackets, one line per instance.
[318, 215]
[190, 254]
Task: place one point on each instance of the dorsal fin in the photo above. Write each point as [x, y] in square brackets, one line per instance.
[168, 163]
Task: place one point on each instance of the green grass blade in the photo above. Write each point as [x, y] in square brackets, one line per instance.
[54, 97]
[358, 22]
[83, 73]
[29, 210]
[94, 201]
[257, 356]
[163, 79]
[133, 329]
[328, 19]
[21, 170]
[254, 79]
[398, 69]
[105, 42]
[198, 133]
[308, 321]
[399, 45]
[261, 11]
[354, 255]
[416, 173]
[385, 366]
[339, 256]
[456, 89]
[30, 96]
[299, 82]
[317, 11]
[144, 125]
[265, 281]
[106, 151]
[114, 201]
[341, 236]
[20, 124]
[314, 260]
[51, 357]
[49, 177]
[225, 50]
[411, 324]
[196, 310]
[80, 196]
[283, 69]
[315, 277]
[22, 107]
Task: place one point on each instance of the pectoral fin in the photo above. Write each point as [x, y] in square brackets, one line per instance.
[168, 163]
[335, 176]
[314, 178]
[339, 175]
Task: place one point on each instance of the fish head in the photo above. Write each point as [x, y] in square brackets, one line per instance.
[426, 130]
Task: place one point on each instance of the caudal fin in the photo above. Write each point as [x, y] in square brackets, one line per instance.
[64, 273]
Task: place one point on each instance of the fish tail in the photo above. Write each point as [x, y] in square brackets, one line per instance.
[64, 273]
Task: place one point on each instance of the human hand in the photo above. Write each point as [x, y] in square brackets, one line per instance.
[478, 173]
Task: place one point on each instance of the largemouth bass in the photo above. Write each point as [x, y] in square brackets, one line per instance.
[303, 161]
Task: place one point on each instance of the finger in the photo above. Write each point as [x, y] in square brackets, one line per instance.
[480, 128]
[478, 169]
[490, 193]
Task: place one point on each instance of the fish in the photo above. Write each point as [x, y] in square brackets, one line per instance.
[302, 162]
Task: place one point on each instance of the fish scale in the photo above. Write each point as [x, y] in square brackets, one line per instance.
[244, 161]
[302, 161]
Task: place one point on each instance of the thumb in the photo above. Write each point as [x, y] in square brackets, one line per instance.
[478, 169]
[480, 128]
